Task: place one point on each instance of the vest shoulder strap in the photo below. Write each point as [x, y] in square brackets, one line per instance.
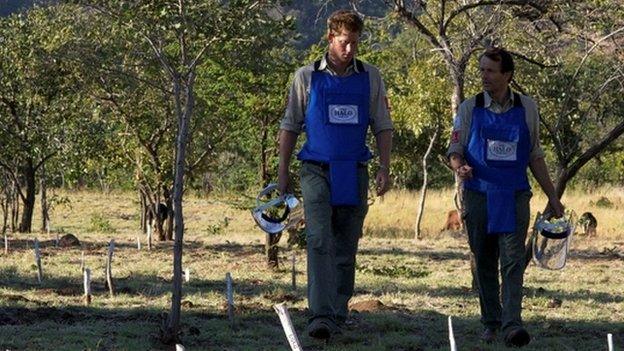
[517, 100]
[359, 65]
[480, 100]
[317, 65]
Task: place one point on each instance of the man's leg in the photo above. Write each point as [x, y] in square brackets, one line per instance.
[512, 250]
[485, 250]
[347, 225]
[320, 244]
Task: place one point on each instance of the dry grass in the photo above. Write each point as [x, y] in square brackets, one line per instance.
[395, 214]
[419, 283]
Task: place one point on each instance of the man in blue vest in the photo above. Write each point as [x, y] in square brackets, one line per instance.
[495, 139]
[335, 100]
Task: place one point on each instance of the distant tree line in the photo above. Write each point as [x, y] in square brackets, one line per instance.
[86, 102]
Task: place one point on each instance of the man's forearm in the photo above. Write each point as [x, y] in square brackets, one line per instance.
[384, 146]
[287, 142]
[540, 172]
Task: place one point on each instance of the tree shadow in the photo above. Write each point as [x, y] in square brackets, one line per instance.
[258, 328]
[434, 255]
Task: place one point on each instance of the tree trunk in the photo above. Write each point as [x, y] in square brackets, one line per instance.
[264, 159]
[169, 225]
[15, 208]
[143, 211]
[5, 213]
[184, 116]
[423, 190]
[29, 202]
[45, 216]
[272, 250]
[457, 77]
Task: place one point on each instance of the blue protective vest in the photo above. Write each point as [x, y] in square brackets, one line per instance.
[336, 122]
[498, 151]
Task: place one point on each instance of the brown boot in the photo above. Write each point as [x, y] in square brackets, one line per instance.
[488, 336]
[517, 337]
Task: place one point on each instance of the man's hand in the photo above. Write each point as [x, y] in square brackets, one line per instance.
[464, 172]
[555, 207]
[382, 181]
[282, 183]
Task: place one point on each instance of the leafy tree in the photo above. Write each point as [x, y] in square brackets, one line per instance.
[181, 36]
[36, 96]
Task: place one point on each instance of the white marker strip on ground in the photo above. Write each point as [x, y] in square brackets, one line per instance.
[451, 334]
[289, 330]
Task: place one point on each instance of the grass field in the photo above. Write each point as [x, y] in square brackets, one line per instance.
[405, 289]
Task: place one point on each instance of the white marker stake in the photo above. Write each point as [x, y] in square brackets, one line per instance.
[610, 341]
[87, 285]
[289, 330]
[6, 244]
[451, 335]
[109, 272]
[187, 274]
[38, 262]
[230, 298]
[138, 243]
[149, 236]
[179, 347]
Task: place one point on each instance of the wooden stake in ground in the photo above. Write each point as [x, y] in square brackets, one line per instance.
[87, 286]
[187, 274]
[138, 243]
[149, 236]
[230, 298]
[6, 244]
[294, 272]
[610, 341]
[289, 330]
[109, 273]
[451, 334]
[38, 262]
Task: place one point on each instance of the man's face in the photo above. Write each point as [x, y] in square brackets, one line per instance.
[343, 45]
[494, 81]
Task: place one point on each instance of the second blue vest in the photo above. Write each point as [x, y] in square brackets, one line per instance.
[336, 122]
[498, 152]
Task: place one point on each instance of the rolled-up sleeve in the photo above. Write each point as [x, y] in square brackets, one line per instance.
[461, 128]
[532, 119]
[297, 102]
[379, 103]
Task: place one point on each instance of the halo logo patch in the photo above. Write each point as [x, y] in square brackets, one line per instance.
[343, 114]
[501, 150]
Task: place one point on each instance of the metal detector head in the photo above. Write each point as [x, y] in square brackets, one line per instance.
[272, 212]
[551, 239]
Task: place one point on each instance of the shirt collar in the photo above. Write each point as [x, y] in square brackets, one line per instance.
[487, 99]
[325, 65]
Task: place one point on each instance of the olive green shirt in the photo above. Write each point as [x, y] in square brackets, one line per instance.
[463, 121]
[294, 117]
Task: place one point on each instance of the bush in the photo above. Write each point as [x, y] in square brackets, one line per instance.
[101, 224]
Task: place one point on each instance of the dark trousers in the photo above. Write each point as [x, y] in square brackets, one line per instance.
[332, 234]
[488, 250]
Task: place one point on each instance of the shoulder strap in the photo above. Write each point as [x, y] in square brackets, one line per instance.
[359, 65]
[517, 100]
[480, 100]
[317, 65]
